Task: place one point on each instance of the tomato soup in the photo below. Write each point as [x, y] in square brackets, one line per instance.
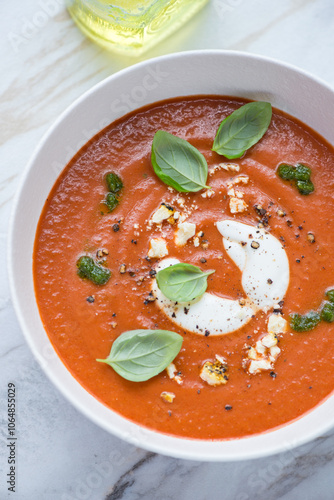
[83, 319]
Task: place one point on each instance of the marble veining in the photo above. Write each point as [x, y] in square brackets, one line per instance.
[46, 63]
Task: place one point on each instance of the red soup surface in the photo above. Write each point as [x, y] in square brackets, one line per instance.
[76, 222]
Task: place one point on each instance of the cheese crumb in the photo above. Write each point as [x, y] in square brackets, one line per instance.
[185, 231]
[277, 324]
[269, 340]
[168, 397]
[257, 366]
[229, 167]
[274, 353]
[241, 179]
[158, 248]
[208, 193]
[180, 201]
[171, 370]
[215, 373]
[252, 354]
[237, 205]
[196, 241]
[163, 213]
[172, 373]
[260, 348]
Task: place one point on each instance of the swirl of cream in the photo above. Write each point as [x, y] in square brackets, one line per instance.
[265, 280]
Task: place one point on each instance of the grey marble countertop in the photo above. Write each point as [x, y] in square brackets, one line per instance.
[46, 63]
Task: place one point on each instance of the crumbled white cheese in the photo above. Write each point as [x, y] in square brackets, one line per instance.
[237, 205]
[171, 370]
[241, 179]
[176, 215]
[208, 193]
[277, 324]
[163, 213]
[214, 373]
[168, 397]
[269, 340]
[180, 201]
[196, 241]
[274, 353]
[256, 366]
[172, 373]
[260, 348]
[231, 192]
[239, 194]
[264, 354]
[185, 231]
[221, 359]
[158, 248]
[252, 354]
[229, 167]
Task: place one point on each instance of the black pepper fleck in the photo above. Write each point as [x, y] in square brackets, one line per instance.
[202, 260]
[273, 374]
[134, 242]
[228, 407]
[207, 333]
[90, 299]
[115, 227]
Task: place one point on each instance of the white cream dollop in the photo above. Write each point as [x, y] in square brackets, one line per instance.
[262, 260]
[219, 315]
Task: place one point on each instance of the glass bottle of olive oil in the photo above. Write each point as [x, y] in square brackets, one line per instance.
[130, 26]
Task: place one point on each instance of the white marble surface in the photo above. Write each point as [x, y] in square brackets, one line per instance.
[45, 64]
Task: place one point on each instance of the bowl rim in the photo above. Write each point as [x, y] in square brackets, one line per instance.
[169, 445]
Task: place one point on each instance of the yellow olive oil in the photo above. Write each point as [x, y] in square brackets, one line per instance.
[129, 26]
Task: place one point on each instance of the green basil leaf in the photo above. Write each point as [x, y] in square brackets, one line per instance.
[139, 355]
[182, 282]
[242, 129]
[178, 164]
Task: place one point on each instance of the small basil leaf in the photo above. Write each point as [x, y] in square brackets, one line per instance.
[139, 355]
[182, 282]
[177, 163]
[242, 129]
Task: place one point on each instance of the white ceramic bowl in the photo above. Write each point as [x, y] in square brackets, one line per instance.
[189, 73]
